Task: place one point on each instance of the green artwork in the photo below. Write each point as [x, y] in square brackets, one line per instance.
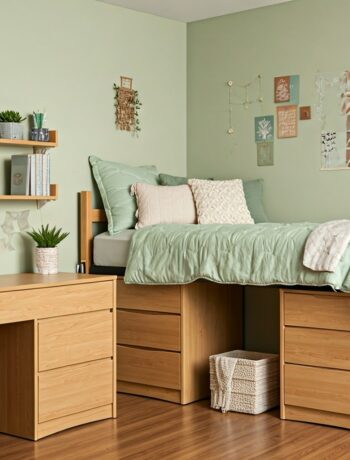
[294, 89]
[264, 128]
[265, 153]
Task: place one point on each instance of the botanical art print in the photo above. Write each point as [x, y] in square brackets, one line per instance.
[282, 89]
[287, 89]
[264, 128]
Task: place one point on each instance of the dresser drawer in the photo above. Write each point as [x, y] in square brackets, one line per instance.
[153, 298]
[55, 301]
[75, 389]
[149, 367]
[323, 311]
[75, 339]
[153, 330]
[317, 388]
[317, 347]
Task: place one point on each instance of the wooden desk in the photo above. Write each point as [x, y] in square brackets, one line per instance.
[57, 352]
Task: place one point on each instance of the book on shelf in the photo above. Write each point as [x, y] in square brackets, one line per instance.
[20, 177]
[30, 174]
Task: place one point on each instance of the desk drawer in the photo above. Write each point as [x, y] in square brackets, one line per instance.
[317, 388]
[75, 339]
[149, 367]
[75, 389]
[153, 330]
[323, 311]
[317, 347]
[152, 298]
[55, 301]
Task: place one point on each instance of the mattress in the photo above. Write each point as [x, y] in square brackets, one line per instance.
[112, 250]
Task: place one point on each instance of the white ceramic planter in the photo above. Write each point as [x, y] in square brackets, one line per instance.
[46, 260]
[11, 130]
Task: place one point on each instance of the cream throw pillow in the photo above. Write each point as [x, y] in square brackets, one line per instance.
[220, 201]
[161, 204]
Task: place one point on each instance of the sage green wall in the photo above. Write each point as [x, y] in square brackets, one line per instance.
[64, 56]
[297, 37]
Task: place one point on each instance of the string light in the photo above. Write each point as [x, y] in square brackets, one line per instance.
[247, 100]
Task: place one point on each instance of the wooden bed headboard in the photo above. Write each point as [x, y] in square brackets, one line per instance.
[87, 217]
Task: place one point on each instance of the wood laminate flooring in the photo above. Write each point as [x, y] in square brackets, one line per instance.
[147, 429]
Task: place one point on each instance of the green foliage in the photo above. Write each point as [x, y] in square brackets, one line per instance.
[46, 237]
[10, 116]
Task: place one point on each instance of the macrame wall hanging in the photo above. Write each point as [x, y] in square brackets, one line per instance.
[243, 95]
[127, 105]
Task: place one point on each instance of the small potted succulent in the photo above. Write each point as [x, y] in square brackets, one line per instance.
[10, 125]
[46, 251]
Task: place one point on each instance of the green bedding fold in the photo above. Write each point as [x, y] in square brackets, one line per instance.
[260, 254]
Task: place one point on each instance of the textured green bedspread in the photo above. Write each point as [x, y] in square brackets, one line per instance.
[260, 254]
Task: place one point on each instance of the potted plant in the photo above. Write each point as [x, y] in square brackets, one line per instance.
[46, 251]
[10, 125]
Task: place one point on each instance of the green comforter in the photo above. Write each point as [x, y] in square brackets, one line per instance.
[260, 254]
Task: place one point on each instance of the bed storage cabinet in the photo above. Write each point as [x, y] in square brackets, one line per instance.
[315, 357]
[167, 333]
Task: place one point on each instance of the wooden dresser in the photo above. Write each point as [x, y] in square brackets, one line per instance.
[315, 357]
[57, 352]
[167, 333]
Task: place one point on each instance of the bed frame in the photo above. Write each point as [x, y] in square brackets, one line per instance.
[88, 217]
[165, 334]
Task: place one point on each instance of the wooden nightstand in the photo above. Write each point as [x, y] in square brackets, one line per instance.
[57, 352]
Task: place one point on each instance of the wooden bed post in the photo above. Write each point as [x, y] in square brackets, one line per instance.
[86, 229]
[88, 216]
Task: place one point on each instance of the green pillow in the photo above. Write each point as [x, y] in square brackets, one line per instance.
[167, 179]
[114, 181]
[253, 190]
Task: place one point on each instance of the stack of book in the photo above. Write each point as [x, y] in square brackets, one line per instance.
[30, 174]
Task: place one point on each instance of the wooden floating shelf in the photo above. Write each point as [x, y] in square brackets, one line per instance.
[53, 142]
[52, 197]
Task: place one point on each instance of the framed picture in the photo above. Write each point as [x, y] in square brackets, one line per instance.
[264, 128]
[282, 89]
[126, 82]
[287, 121]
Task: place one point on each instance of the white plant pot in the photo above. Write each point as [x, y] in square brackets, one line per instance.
[46, 261]
[11, 130]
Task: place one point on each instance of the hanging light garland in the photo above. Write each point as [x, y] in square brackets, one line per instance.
[247, 101]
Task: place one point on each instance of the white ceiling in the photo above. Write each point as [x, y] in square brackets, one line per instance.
[192, 10]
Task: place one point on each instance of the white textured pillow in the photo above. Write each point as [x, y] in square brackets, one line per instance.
[220, 201]
[161, 204]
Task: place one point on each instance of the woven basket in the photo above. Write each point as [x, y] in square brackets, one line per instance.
[11, 130]
[46, 260]
[244, 381]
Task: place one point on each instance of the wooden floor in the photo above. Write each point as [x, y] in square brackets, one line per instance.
[149, 429]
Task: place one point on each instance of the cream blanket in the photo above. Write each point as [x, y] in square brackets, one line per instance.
[326, 245]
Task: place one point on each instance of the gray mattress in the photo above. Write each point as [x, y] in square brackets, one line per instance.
[112, 251]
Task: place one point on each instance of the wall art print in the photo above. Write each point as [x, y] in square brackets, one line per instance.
[13, 224]
[264, 153]
[287, 121]
[286, 89]
[333, 112]
[264, 128]
[282, 89]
